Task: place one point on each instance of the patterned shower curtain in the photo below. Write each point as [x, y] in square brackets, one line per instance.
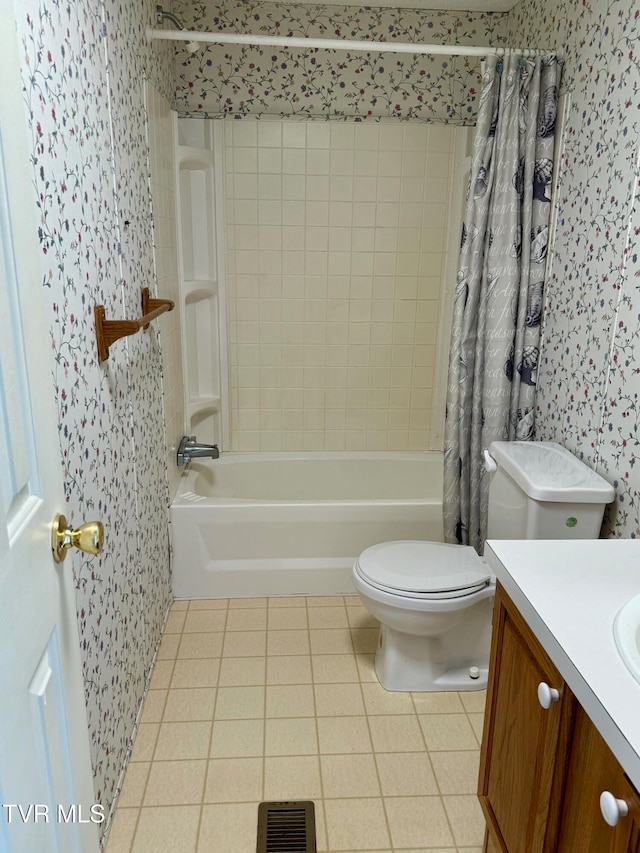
[496, 327]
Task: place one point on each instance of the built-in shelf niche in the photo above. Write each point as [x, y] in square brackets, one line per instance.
[201, 252]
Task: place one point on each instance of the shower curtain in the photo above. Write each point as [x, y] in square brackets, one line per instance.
[498, 301]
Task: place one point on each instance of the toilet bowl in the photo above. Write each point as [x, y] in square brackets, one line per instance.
[434, 600]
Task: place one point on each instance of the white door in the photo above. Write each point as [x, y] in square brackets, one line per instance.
[46, 786]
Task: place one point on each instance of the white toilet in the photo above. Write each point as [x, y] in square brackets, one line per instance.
[434, 601]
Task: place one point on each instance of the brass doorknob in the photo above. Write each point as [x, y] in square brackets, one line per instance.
[88, 537]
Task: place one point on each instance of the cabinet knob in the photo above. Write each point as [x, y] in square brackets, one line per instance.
[547, 695]
[612, 809]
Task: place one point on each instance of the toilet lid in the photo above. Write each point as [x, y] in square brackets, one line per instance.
[418, 568]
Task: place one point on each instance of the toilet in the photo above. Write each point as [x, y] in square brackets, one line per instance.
[434, 601]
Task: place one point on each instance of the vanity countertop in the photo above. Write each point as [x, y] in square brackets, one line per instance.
[570, 592]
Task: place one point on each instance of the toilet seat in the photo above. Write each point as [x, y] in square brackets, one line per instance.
[423, 570]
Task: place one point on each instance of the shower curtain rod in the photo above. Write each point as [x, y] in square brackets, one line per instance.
[195, 36]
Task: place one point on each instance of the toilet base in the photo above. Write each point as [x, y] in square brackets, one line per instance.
[406, 662]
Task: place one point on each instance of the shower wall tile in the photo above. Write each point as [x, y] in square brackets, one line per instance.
[334, 282]
[84, 65]
[589, 381]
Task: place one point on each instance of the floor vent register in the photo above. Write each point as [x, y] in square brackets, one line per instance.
[286, 827]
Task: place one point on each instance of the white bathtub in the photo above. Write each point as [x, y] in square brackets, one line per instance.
[258, 524]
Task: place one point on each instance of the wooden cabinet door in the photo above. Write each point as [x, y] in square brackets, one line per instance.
[525, 747]
[593, 769]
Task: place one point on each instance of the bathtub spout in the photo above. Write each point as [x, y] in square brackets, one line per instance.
[190, 449]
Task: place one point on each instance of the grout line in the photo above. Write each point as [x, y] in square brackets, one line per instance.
[213, 716]
[315, 717]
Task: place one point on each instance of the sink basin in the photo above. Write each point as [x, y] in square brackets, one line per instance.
[626, 632]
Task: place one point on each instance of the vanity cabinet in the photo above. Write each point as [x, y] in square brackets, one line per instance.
[593, 769]
[525, 746]
[544, 764]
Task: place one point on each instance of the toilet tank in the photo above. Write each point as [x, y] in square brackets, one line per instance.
[541, 491]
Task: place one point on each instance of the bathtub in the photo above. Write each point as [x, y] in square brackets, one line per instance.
[261, 524]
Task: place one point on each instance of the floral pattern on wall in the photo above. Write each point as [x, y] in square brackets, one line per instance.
[235, 81]
[87, 124]
[589, 376]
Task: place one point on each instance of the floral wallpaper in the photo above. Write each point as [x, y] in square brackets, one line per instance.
[84, 63]
[235, 81]
[589, 375]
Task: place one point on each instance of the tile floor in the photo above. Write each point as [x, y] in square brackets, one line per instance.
[275, 699]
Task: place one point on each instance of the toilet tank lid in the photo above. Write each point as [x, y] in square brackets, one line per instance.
[546, 471]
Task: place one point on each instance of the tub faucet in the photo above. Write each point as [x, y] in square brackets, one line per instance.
[189, 449]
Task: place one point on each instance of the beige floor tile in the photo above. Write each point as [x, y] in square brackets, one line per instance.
[292, 777]
[377, 700]
[201, 672]
[405, 774]
[365, 640]
[288, 642]
[175, 622]
[290, 700]
[135, 780]
[172, 829]
[122, 830]
[189, 703]
[234, 780]
[349, 776]
[289, 669]
[145, 742]
[417, 822]
[474, 701]
[168, 647]
[153, 706]
[242, 672]
[209, 604]
[204, 621]
[328, 617]
[359, 617]
[200, 646]
[287, 618]
[296, 736]
[396, 733]
[240, 703]
[356, 823]
[437, 703]
[466, 819]
[456, 772]
[244, 644]
[338, 700]
[325, 600]
[182, 741]
[321, 826]
[288, 601]
[175, 783]
[343, 735]
[228, 827]
[477, 724]
[161, 677]
[447, 732]
[247, 619]
[237, 738]
[242, 603]
[366, 667]
[180, 604]
[331, 641]
[331, 669]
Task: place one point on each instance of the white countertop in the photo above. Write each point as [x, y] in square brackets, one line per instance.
[569, 593]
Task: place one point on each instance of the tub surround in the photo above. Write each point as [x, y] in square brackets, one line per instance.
[569, 594]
